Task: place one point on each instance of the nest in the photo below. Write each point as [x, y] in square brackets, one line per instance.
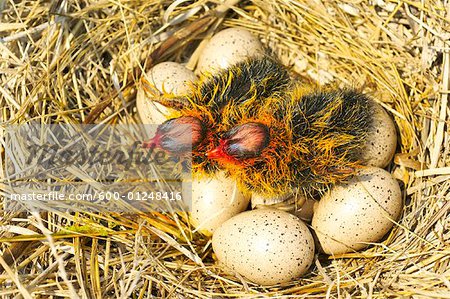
[79, 62]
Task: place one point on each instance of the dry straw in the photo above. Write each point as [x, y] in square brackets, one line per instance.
[79, 61]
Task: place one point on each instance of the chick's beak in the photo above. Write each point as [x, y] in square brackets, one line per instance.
[220, 155]
[215, 153]
[154, 142]
[218, 152]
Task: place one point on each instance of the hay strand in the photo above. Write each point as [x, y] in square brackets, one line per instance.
[79, 62]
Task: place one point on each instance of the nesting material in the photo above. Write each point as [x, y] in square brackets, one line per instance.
[61, 61]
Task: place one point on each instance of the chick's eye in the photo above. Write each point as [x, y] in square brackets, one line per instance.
[247, 140]
[180, 135]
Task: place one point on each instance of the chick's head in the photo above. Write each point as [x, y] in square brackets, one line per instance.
[250, 142]
[239, 146]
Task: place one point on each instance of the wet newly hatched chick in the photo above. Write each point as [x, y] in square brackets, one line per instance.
[215, 105]
[269, 134]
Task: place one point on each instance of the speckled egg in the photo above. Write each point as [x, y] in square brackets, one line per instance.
[357, 213]
[214, 201]
[170, 77]
[267, 246]
[382, 140]
[228, 47]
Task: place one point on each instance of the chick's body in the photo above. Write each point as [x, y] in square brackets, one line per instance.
[314, 137]
[230, 98]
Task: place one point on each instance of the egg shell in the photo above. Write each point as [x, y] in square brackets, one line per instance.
[359, 212]
[169, 77]
[214, 201]
[267, 246]
[228, 47]
[296, 203]
[263, 200]
[306, 210]
[381, 141]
